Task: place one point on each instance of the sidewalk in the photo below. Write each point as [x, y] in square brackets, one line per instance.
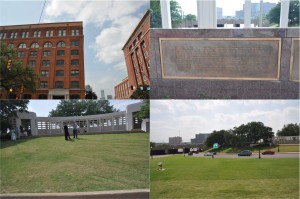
[135, 193]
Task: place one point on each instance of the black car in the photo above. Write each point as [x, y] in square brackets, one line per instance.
[245, 153]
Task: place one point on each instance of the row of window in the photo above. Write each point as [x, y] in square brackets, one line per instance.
[59, 73]
[38, 33]
[74, 62]
[59, 84]
[47, 44]
[41, 96]
[47, 53]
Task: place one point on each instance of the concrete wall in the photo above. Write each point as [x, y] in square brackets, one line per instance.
[180, 88]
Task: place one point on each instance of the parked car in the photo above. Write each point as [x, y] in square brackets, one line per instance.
[245, 153]
[208, 154]
[268, 153]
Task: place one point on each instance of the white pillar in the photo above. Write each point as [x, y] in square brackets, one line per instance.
[261, 9]
[165, 13]
[284, 13]
[247, 14]
[206, 14]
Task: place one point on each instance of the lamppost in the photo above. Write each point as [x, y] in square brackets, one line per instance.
[151, 154]
[259, 151]
[278, 142]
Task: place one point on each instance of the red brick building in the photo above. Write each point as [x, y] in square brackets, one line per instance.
[55, 50]
[137, 58]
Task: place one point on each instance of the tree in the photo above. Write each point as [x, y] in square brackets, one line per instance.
[190, 17]
[140, 94]
[216, 137]
[9, 108]
[90, 95]
[145, 110]
[15, 78]
[82, 107]
[155, 18]
[274, 15]
[289, 130]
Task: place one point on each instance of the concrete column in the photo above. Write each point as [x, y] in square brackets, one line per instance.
[284, 13]
[88, 126]
[247, 14]
[261, 8]
[112, 123]
[206, 14]
[165, 14]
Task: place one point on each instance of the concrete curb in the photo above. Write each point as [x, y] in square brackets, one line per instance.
[134, 193]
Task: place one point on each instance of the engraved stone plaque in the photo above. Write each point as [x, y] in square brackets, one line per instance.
[220, 58]
[295, 60]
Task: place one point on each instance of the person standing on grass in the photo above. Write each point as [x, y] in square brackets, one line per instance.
[66, 130]
[75, 130]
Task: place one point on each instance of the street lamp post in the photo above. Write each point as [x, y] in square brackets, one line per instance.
[278, 143]
[259, 151]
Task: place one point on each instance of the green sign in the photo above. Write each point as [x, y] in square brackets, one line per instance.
[216, 145]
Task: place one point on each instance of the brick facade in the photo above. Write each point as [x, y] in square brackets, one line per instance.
[56, 52]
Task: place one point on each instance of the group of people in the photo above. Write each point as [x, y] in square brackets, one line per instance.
[17, 132]
[66, 130]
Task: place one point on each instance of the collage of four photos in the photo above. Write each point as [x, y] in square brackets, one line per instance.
[149, 99]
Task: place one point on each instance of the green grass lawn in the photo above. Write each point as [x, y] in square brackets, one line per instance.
[91, 163]
[192, 177]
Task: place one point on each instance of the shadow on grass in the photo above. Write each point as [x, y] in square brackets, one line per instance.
[9, 143]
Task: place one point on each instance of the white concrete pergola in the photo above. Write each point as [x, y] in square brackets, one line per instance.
[207, 17]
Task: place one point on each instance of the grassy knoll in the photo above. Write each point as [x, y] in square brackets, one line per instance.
[282, 148]
[91, 163]
[192, 177]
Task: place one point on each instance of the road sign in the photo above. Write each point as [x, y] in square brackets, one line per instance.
[216, 145]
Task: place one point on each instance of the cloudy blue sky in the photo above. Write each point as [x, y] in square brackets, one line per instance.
[107, 26]
[188, 117]
[43, 107]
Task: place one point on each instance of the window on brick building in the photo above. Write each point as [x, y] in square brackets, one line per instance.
[60, 62]
[32, 53]
[74, 97]
[43, 96]
[45, 73]
[34, 45]
[32, 63]
[74, 84]
[74, 62]
[140, 36]
[37, 33]
[49, 33]
[61, 44]
[75, 32]
[59, 73]
[75, 43]
[43, 84]
[75, 73]
[60, 53]
[59, 84]
[74, 52]
[48, 44]
[62, 32]
[46, 63]
[46, 53]
[20, 54]
[25, 34]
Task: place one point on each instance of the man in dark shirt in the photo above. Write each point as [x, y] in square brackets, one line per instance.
[67, 135]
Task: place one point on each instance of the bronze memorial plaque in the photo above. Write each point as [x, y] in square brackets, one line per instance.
[294, 71]
[220, 58]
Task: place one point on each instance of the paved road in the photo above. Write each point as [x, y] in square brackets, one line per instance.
[255, 155]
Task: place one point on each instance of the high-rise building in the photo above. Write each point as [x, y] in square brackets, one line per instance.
[137, 58]
[175, 140]
[102, 95]
[109, 97]
[255, 10]
[200, 138]
[219, 13]
[55, 51]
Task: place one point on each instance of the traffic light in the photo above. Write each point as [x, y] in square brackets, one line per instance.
[9, 63]
[22, 89]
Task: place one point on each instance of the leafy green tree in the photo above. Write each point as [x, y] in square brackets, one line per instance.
[190, 17]
[155, 18]
[9, 108]
[90, 95]
[13, 78]
[274, 15]
[140, 94]
[145, 110]
[289, 130]
[82, 107]
[216, 137]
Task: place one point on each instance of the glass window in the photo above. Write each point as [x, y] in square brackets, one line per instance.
[20, 54]
[75, 62]
[62, 32]
[140, 35]
[74, 97]
[34, 45]
[46, 63]
[74, 52]
[22, 45]
[75, 73]
[59, 84]
[45, 73]
[59, 73]
[61, 44]
[31, 63]
[75, 32]
[4, 35]
[74, 84]
[11, 46]
[25, 34]
[43, 84]
[75, 43]
[60, 62]
[47, 44]
[37, 33]
[60, 53]
[43, 96]
[46, 53]
[33, 54]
